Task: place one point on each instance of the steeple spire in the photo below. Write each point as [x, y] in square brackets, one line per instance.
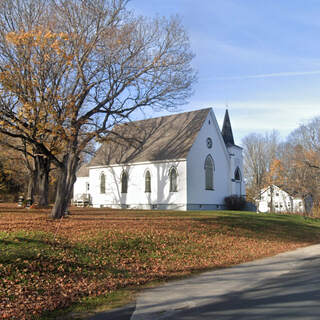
[227, 130]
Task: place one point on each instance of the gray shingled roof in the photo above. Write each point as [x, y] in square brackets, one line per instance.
[83, 171]
[163, 138]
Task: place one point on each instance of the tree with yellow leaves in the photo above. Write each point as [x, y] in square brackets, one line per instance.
[13, 174]
[23, 160]
[276, 174]
[304, 152]
[76, 68]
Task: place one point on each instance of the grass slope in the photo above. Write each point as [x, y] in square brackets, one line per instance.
[98, 256]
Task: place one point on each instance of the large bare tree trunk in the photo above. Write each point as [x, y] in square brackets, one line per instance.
[31, 184]
[42, 165]
[66, 180]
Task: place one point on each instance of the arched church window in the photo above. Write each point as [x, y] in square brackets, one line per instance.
[173, 179]
[209, 169]
[124, 182]
[102, 183]
[237, 174]
[147, 182]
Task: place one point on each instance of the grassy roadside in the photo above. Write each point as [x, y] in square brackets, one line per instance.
[98, 258]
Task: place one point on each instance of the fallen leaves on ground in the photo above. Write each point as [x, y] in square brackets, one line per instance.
[49, 264]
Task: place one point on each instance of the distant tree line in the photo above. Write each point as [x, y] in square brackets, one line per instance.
[293, 164]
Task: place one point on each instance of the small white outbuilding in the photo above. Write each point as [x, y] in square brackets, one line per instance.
[181, 162]
[275, 199]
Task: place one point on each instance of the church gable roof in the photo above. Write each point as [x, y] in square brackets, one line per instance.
[163, 138]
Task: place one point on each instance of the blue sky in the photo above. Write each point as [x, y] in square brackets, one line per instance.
[259, 57]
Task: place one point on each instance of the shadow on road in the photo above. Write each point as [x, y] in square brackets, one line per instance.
[293, 295]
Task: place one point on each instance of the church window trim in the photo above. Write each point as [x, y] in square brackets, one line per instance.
[173, 177]
[124, 182]
[147, 182]
[209, 169]
[102, 183]
[237, 175]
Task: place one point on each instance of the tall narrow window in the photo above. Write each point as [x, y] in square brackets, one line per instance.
[173, 179]
[102, 183]
[147, 182]
[209, 168]
[237, 174]
[124, 182]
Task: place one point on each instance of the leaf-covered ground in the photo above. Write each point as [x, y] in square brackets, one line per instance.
[47, 265]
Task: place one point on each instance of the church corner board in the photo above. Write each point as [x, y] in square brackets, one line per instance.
[179, 162]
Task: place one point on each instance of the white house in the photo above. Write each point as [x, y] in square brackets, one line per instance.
[181, 162]
[274, 199]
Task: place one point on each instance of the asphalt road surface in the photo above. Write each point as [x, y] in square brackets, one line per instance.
[286, 286]
[295, 295]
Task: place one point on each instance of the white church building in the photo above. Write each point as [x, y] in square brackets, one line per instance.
[180, 162]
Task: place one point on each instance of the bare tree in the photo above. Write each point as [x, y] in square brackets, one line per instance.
[307, 136]
[304, 153]
[78, 67]
[259, 152]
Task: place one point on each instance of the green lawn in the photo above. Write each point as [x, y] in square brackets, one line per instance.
[97, 258]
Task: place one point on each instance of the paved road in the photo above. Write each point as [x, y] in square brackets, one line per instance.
[286, 286]
[291, 296]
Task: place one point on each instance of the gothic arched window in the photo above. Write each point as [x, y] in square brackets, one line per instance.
[209, 169]
[147, 182]
[237, 174]
[124, 182]
[102, 183]
[173, 179]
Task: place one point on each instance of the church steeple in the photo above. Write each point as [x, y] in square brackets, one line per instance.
[227, 130]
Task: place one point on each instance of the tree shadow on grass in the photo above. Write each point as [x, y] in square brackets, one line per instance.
[74, 257]
[265, 227]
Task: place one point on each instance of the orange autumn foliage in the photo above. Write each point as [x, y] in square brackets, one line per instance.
[276, 174]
